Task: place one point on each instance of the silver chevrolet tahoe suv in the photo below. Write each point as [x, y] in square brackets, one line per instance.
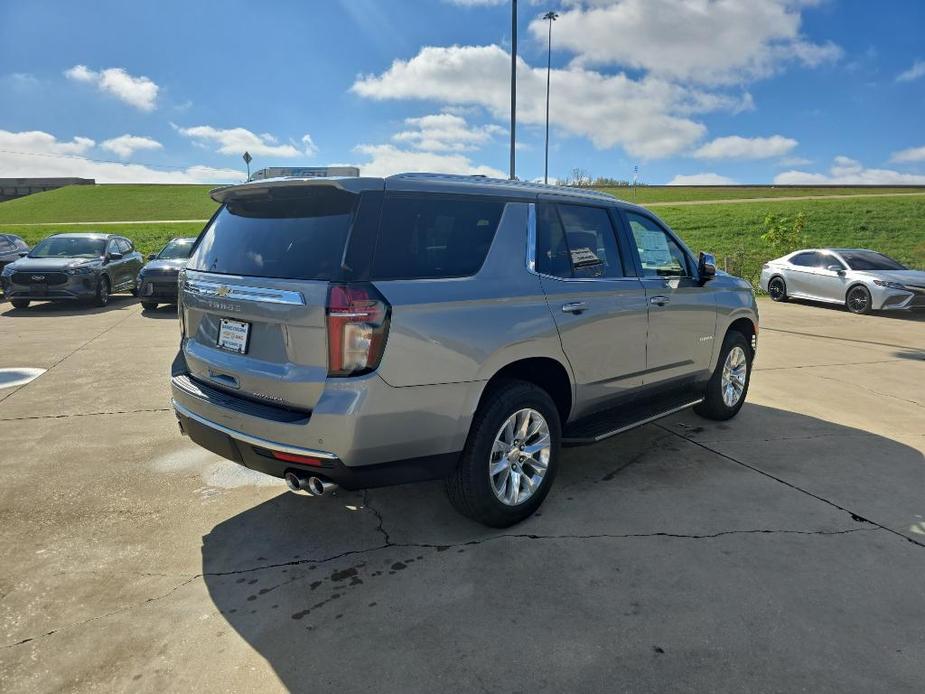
[365, 331]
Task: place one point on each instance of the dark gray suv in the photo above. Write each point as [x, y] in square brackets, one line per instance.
[68, 267]
[368, 331]
[157, 281]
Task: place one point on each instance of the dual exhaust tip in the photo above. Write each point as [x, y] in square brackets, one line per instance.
[315, 486]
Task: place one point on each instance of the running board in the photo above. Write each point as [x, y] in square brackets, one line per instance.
[603, 425]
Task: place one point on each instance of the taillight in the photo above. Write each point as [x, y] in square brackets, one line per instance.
[358, 324]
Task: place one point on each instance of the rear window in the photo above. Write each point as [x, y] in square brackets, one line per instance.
[288, 234]
[431, 236]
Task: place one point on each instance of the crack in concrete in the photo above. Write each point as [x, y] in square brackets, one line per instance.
[854, 516]
[439, 548]
[84, 414]
[820, 366]
[868, 389]
[841, 339]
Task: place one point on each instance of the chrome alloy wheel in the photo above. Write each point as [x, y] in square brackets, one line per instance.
[734, 372]
[519, 457]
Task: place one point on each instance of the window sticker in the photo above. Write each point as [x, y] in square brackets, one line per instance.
[653, 248]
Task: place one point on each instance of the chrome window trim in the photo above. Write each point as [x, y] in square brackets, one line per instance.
[531, 256]
[252, 440]
[243, 292]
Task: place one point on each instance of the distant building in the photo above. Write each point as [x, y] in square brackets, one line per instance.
[305, 172]
[11, 188]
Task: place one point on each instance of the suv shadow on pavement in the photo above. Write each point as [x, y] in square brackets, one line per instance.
[67, 308]
[668, 548]
[162, 311]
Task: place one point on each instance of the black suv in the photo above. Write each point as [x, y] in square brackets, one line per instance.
[68, 267]
[157, 281]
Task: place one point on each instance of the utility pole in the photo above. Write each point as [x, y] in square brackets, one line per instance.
[513, 82]
[550, 17]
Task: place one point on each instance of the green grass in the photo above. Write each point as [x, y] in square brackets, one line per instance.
[895, 226]
[110, 203]
[660, 194]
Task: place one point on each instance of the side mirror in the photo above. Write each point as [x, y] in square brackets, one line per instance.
[23, 254]
[835, 268]
[152, 256]
[706, 266]
[115, 255]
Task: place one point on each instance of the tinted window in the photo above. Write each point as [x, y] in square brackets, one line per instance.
[5, 245]
[178, 248]
[125, 246]
[433, 236]
[868, 260]
[659, 253]
[69, 247]
[807, 260]
[280, 235]
[552, 252]
[591, 242]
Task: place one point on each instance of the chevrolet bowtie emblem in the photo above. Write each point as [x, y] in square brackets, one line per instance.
[223, 291]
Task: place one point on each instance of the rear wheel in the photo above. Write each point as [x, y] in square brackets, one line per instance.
[511, 456]
[777, 289]
[20, 303]
[149, 305]
[858, 299]
[728, 386]
[102, 292]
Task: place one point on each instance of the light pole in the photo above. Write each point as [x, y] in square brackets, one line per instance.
[513, 81]
[550, 17]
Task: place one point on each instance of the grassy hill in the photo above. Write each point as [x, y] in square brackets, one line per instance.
[894, 225]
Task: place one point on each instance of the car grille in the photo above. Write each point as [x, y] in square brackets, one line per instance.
[49, 278]
[160, 289]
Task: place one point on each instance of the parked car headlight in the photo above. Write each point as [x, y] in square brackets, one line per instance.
[8, 270]
[890, 285]
[83, 270]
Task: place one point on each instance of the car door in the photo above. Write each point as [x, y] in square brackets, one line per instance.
[133, 262]
[595, 297]
[681, 309]
[8, 251]
[799, 275]
[115, 266]
[826, 278]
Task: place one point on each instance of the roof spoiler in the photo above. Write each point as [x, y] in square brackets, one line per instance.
[350, 184]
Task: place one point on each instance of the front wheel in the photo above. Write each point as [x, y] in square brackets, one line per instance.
[726, 390]
[102, 292]
[858, 300]
[511, 456]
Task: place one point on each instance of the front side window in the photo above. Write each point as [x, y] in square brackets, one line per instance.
[69, 247]
[576, 241]
[434, 236]
[124, 246]
[659, 254]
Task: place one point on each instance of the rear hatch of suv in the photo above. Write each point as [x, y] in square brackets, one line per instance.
[270, 278]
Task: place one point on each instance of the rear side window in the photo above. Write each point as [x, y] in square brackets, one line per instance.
[286, 234]
[432, 236]
[807, 260]
[576, 241]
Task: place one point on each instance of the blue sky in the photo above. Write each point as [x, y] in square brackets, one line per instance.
[746, 91]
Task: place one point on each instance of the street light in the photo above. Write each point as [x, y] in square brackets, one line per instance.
[550, 17]
[513, 81]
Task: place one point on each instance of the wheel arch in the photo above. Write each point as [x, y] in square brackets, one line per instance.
[545, 372]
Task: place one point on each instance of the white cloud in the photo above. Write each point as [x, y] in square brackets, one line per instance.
[385, 160]
[847, 171]
[648, 117]
[913, 73]
[705, 41]
[126, 145]
[36, 153]
[701, 179]
[445, 132]
[139, 92]
[236, 141]
[794, 161]
[736, 147]
[912, 154]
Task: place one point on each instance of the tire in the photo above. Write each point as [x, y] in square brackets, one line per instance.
[472, 488]
[148, 305]
[715, 405]
[20, 303]
[777, 289]
[102, 292]
[858, 300]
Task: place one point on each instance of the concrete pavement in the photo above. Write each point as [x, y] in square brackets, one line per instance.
[782, 550]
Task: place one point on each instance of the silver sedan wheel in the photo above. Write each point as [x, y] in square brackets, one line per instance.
[519, 457]
[734, 372]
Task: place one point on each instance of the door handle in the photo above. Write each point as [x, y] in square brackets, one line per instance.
[575, 307]
[660, 300]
